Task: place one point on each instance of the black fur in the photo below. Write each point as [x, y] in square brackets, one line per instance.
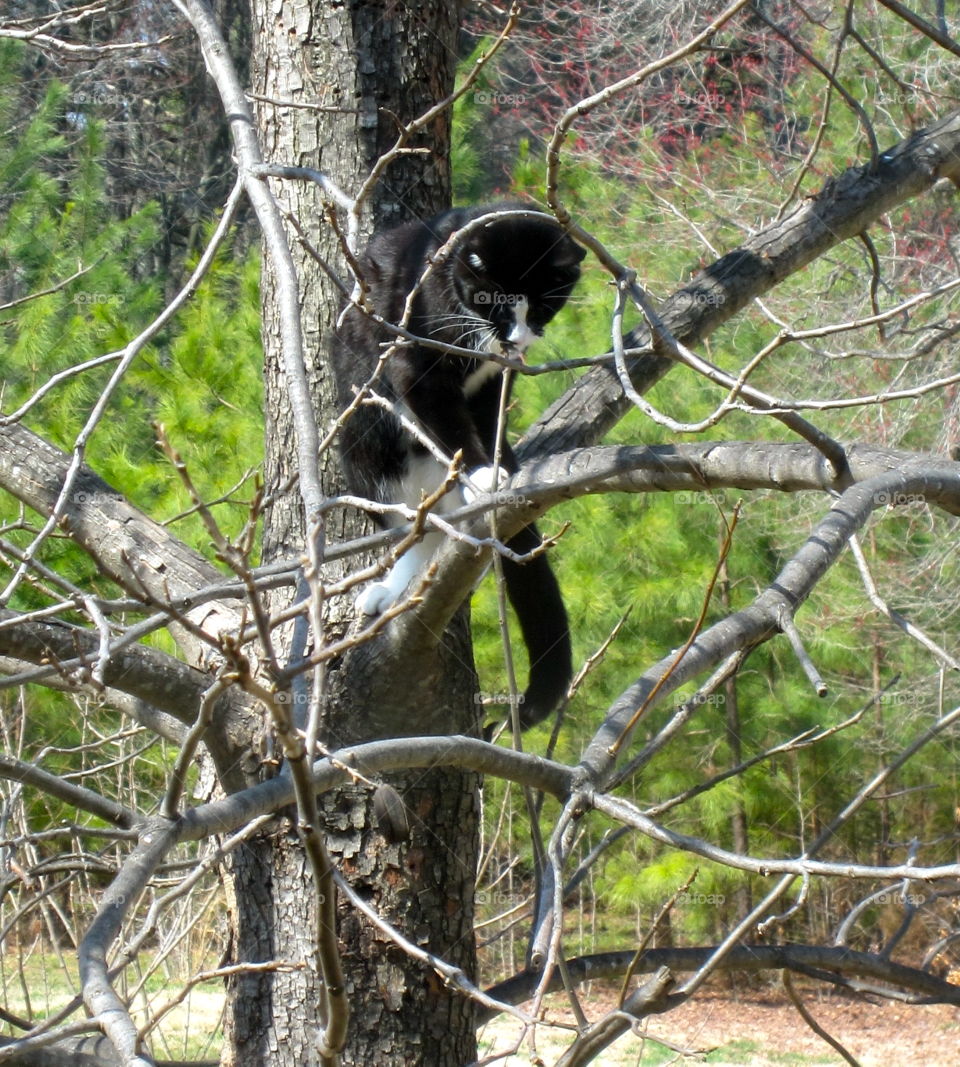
[501, 273]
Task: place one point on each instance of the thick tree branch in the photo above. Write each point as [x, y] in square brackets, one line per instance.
[122, 893]
[843, 208]
[540, 485]
[761, 619]
[127, 546]
[842, 963]
[370, 760]
[136, 552]
[110, 811]
[139, 670]
[141, 711]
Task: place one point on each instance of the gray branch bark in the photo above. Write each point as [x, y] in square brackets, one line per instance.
[846, 206]
[844, 964]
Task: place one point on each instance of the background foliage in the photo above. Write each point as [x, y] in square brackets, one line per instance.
[687, 168]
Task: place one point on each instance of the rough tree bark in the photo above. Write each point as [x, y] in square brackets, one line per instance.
[370, 68]
[360, 60]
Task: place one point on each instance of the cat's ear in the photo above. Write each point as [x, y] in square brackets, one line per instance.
[569, 254]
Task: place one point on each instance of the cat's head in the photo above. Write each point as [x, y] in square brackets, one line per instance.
[516, 273]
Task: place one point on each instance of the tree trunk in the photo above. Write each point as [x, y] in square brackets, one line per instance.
[378, 64]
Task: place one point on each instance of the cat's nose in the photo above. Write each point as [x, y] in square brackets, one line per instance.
[520, 337]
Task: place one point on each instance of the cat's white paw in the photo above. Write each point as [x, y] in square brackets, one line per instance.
[482, 480]
[375, 599]
[378, 596]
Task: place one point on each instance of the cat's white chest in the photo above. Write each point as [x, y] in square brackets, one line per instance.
[520, 337]
[483, 374]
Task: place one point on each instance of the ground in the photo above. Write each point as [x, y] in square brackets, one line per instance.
[753, 1026]
[760, 1028]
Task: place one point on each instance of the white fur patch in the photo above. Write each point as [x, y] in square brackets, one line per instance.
[424, 475]
[483, 374]
[482, 481]
[377, 597]
[520, 335]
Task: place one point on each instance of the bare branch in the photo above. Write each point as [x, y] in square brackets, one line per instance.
[845, 206]
[927, 988]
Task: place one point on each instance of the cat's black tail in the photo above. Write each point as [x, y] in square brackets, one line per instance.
[535, 596]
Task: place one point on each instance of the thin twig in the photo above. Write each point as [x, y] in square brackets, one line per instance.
[697, 627]
[812, 1023]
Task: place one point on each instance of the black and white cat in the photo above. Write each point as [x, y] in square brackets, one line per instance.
[504, 281]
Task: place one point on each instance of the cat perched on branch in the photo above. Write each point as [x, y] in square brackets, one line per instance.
[491, 290]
